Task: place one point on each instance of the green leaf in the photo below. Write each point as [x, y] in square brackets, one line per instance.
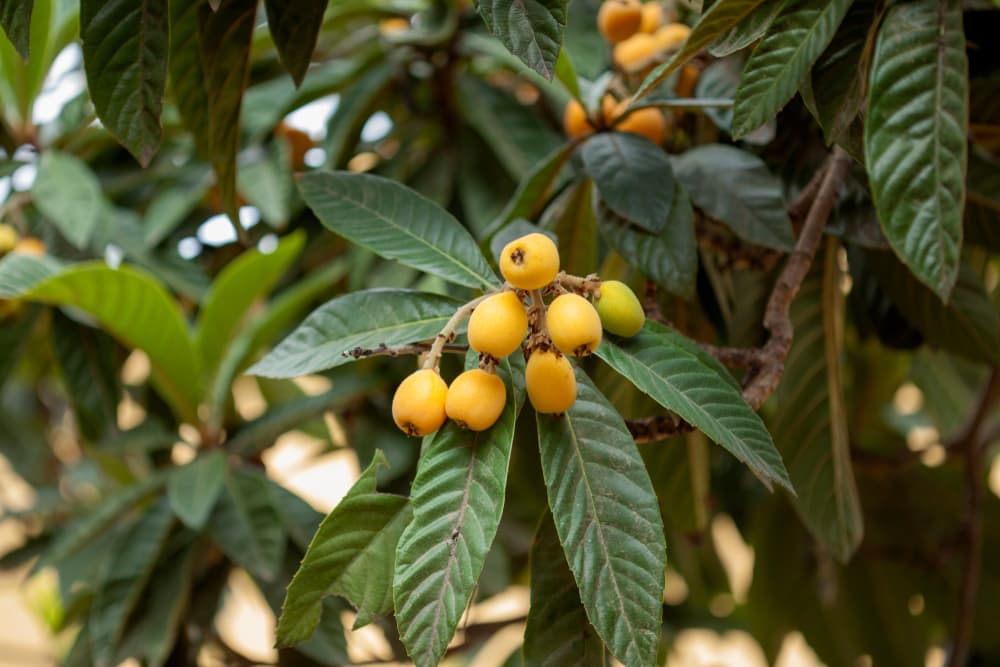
[353, 110]
[533, 190]
[719, 18]
[353, 554]
[246, 526]
[736, 188]
[168, 209]
[396, 223]
[15, 18]
[225, 37]
[69, 195]
[633, 176]
[747, 31]
[14, 336]
[810, 425]
[557, 632]
[669, 258]
[457, 499]
[194, 487]
[239, 285]
[681, 377]
[571, 217]
[783, 58]
[295, 27]
[915, 136]
[531, 29]
[605, 512]
[188, 82]
[124, 577]
[367, 318]
[719, 81]
[125, 44]
[982, 206]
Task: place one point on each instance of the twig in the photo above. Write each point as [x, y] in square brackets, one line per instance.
[447, 334]
[383, 350]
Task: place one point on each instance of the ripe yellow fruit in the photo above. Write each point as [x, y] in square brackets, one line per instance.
[475, 399]
[530, 262]
[652, 17]
[498, 325]
[687, 79]
[619, 309]
[418, 404]
[31, 246]
[648, 122]
[393, 25]
[671, 36]
[8, 238]
[575, 121]
[635, 52]
[619, 19]
[574, 325]
[550, 382]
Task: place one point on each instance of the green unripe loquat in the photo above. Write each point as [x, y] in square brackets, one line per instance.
[574, 325]
[530, 262]
[619, 308]
[550, 382]
[475, 399]
[498, 325]
[8, 238]
[418, 404]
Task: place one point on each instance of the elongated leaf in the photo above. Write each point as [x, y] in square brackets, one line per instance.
[533, 190]
[681, 378]
[457, 499]
[396, 223]
[531, 29]
[735, 187]
[719, 18]
[125, 44]
[14, 336]
[802, 29]
[810, 427]
[187, 74]
[368, 318]
[633, 176]
[246, 525]
[124, 578]
[915, 136]
[558, 632]
[68, 194]
[605, 512]
[353, 554]
[751, 28]
[295, 26]
[194, 487]
[241, 283]
[15, 18]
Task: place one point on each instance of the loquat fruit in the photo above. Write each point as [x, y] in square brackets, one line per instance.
[30, 246]
[550, 382]
[575, 121]
[652, 17]
[648, 122]
[530, 262]
[498, 325]
[574, 325]
[475, 399]
[8, 238]
[619, 309]
[635, 52]
[671, 36]
[619, 19]
[418, 404]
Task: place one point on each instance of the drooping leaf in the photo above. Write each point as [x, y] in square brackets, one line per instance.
[530, 29]
[633, 176]
[605, 513]
[457, 499]
[246, 526]
[125, 44]
[188, 80]
[295, 26]
[353, 554]
[396, 223]
[810, 426]
[915, 136]
[681, 377]
[194, 487]
[736, 188]
[557, 632]
[747, 31]
[15, 19]
[69, 195]
[793, 42]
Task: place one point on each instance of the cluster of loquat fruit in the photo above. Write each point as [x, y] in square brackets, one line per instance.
[500, 322]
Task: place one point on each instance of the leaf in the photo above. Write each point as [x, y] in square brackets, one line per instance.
[168, 209]
[719, 18]
[736, 188]
[224, 37]
[457, 499]
[719, 81]
[246, 526]
[747, 31]
[915, 136]
[802, 29]
[396, 223]
[605, 512]
[681, 377]
[571, 217]
[633, 176]
[295, 27]
[669, 258]
[240, 284]
[188, 82]
[69, 195]
[353, 554]
[14, 336]
[982, 206]
[124, 577]
[125, 44]
[194, 487]
[530, 29]
[15, 18]
[557, 632]
[533, 190]
[367, 318]
[352, 112]
[810, 426]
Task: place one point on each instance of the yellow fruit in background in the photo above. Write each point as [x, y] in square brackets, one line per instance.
[648, 122]
[418, 404]
[619, 19]
[31, 246]
[671, 36]
[652, 17]
[393, 26]
[8, 238]
[498, 325]
[575, 121]
[475, 399]
[574, 325]
[550, 382]
[635, 52]
[687, 79]
[530, 262]
[619, 309]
